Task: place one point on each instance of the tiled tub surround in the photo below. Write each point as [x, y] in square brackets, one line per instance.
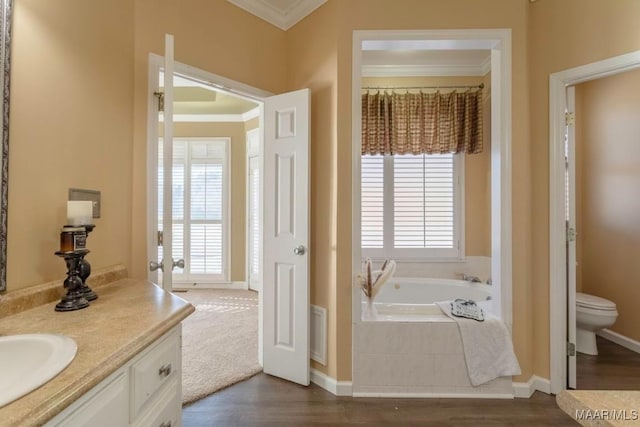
[405, 345]
[416, 359]
[127, 317]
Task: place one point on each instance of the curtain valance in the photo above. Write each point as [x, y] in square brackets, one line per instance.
[422, 123]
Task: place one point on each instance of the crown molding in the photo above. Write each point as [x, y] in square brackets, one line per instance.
[425, 70]
[214, 118]
[281, 19]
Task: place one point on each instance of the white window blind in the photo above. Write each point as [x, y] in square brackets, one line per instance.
[411, 206]
[372, 198]
[423, 201]
[199, 208]
[254, 215]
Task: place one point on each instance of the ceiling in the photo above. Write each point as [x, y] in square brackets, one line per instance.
[284, 14]
[191, 98]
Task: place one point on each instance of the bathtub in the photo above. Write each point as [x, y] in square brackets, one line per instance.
[404, 346]
[413, 300]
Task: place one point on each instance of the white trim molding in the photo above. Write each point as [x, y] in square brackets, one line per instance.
[412, 395]
[499, 42]
[221, 285]
[626, 342]
[426, 70]
[283, 18]
[525, 390]
[558, 82]
[333, 386]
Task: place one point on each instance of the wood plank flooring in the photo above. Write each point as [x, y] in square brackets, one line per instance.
[267, 401]
[614, 368]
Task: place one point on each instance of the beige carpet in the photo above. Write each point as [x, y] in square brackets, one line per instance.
[219, 341]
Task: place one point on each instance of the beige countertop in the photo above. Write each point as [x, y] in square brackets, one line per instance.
[601, 407]
[127, 316]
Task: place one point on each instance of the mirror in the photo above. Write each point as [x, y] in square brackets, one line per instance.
[5, 61]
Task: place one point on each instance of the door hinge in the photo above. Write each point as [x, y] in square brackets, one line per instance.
[569, 118]
[160, 96]
[571, 234]
[160, 238]
[571, 349]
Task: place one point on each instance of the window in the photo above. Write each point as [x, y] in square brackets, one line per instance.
[411, 206]
[200, 220]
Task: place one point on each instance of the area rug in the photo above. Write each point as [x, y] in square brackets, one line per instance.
[219, 341]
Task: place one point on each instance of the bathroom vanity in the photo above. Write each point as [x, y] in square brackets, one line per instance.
[127, 370]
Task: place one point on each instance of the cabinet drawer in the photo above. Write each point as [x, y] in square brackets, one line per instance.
[166, 410]
[156, 367]
[106, 407]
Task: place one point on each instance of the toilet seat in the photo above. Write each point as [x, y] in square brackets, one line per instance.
[594, 302]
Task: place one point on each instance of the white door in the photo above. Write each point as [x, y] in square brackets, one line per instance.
[254, 217]
[163, 173]
[570, 154]
[286, 236]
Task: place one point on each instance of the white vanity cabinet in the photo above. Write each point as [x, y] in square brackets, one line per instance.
[146, 391]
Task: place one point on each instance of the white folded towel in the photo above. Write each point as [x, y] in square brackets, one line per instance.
[488, 349]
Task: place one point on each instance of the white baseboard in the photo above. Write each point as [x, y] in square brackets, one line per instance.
[338, 388]
[410, 395]
[535, 383]
[619, 339]
[225, 285]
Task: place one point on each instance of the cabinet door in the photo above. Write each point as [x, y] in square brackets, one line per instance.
[166, 409]
[108, 407]
[156, 367]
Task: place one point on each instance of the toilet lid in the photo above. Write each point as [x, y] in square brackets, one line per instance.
[592, 301]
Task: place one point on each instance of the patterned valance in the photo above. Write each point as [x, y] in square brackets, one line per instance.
[422, 123]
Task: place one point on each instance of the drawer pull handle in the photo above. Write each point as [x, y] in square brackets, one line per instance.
[166, 424]
[164, 371]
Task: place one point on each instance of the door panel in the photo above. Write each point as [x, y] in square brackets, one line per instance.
[571, 237]
[167, 147]
[286, 237]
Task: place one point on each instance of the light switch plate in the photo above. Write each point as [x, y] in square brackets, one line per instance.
[91, 195]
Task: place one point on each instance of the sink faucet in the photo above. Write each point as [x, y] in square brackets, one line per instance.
[472, 279]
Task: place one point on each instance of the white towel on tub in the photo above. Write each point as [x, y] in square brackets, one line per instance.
[488, 349]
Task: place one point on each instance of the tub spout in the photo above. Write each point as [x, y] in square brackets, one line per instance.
[472, 279]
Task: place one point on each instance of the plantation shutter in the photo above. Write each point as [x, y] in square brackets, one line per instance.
[199, 169]
[372, 200]
[207, 187]
[424, 201]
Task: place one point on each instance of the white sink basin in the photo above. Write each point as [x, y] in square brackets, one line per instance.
[30, 360]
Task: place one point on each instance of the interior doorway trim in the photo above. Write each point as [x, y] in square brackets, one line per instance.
[223, 84]
[498, 41]
[558, 82]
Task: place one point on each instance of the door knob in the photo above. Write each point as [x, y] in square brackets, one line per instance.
[179, 263]
[153, 266]
[300, 250]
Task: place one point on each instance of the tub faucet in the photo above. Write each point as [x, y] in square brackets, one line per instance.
[472, 279]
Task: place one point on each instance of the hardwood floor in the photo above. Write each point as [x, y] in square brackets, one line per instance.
[614, 368]
[267, 401]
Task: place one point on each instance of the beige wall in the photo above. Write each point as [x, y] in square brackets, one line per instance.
[477, 167]
[71, 126]
[73, 84]
[597, 30]
[610, 232]
[319, 56]
[236, 131]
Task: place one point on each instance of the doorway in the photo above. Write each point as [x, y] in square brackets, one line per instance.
[562, 190]
[498, 42]
[283, 303]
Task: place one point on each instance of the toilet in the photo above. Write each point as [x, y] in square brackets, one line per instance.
[592, 314]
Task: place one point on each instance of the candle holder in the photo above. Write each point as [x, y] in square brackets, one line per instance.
[74, 299]
[85, 270]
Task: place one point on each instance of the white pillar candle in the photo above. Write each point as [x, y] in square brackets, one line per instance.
[79, 212]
